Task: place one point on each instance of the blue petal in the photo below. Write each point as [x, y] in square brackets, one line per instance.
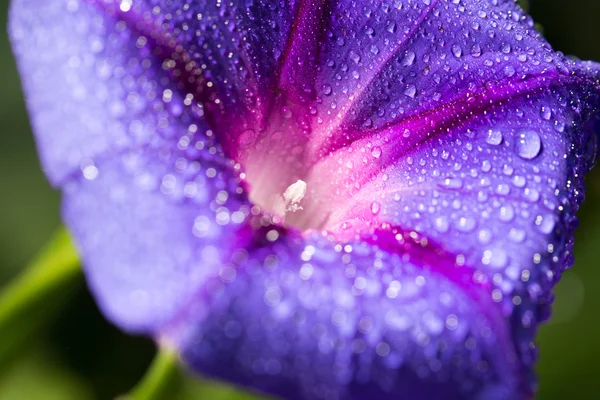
[308, 319]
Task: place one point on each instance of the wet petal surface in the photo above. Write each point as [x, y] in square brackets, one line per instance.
[308, 319]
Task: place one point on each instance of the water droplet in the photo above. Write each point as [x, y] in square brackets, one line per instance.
[494, 137]
[375, 207]
[503, 189]
[532, 195]
[509, 71]
[409, 58]
[485, 236]
[376, 152]
[391, 28]
[453, 183]
[441, 224]
[546, 223]
[486, 166]
[466, 224]
[456, 50]
[546, 113]
[411, 91]
[286, 112]
[497, 258]
[517, 235]
[507, 213]
[476, 51]
[528, 144]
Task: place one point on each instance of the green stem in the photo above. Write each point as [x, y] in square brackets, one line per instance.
[30, 300]
[159, 378]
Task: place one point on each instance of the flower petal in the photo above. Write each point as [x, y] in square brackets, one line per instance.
[387, 62]
[151, 225]
[82, 99]
[500, 188]
[106, 74]
[306, 319]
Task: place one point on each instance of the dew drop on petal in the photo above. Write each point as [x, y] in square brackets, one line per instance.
[466, 224]
[494, 137]
[375, 207]
[376, 152]
[476, 51]
[456, 50]
[545, 223]
[441, 224]
[546, 113]
[517, 235]
[409, 59]
[452, 183]
[485, 236]
[497, 258]
[410, 91]
[528, 144]
[507, 213]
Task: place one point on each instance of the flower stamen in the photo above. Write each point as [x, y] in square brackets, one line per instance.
[293, 195]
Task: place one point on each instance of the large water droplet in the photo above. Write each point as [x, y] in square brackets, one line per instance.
[528, 144]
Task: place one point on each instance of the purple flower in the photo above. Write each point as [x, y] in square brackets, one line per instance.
[318, 199]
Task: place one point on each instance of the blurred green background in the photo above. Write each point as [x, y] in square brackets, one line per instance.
[79, 356]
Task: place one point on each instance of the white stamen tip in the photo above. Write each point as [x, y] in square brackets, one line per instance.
[293, 195]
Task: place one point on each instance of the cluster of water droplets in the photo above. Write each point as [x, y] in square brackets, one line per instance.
[375, 321]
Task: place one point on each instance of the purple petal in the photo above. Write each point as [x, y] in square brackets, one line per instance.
[308, 319]
[151, 226]
[99, 72]
[500, 189]
[88, 89]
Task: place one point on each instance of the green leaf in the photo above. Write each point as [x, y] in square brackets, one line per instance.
[38, 376]
[34, 298]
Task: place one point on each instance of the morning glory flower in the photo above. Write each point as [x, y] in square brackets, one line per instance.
[351, 199]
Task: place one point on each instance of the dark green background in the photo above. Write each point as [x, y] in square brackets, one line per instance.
[79, 356]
